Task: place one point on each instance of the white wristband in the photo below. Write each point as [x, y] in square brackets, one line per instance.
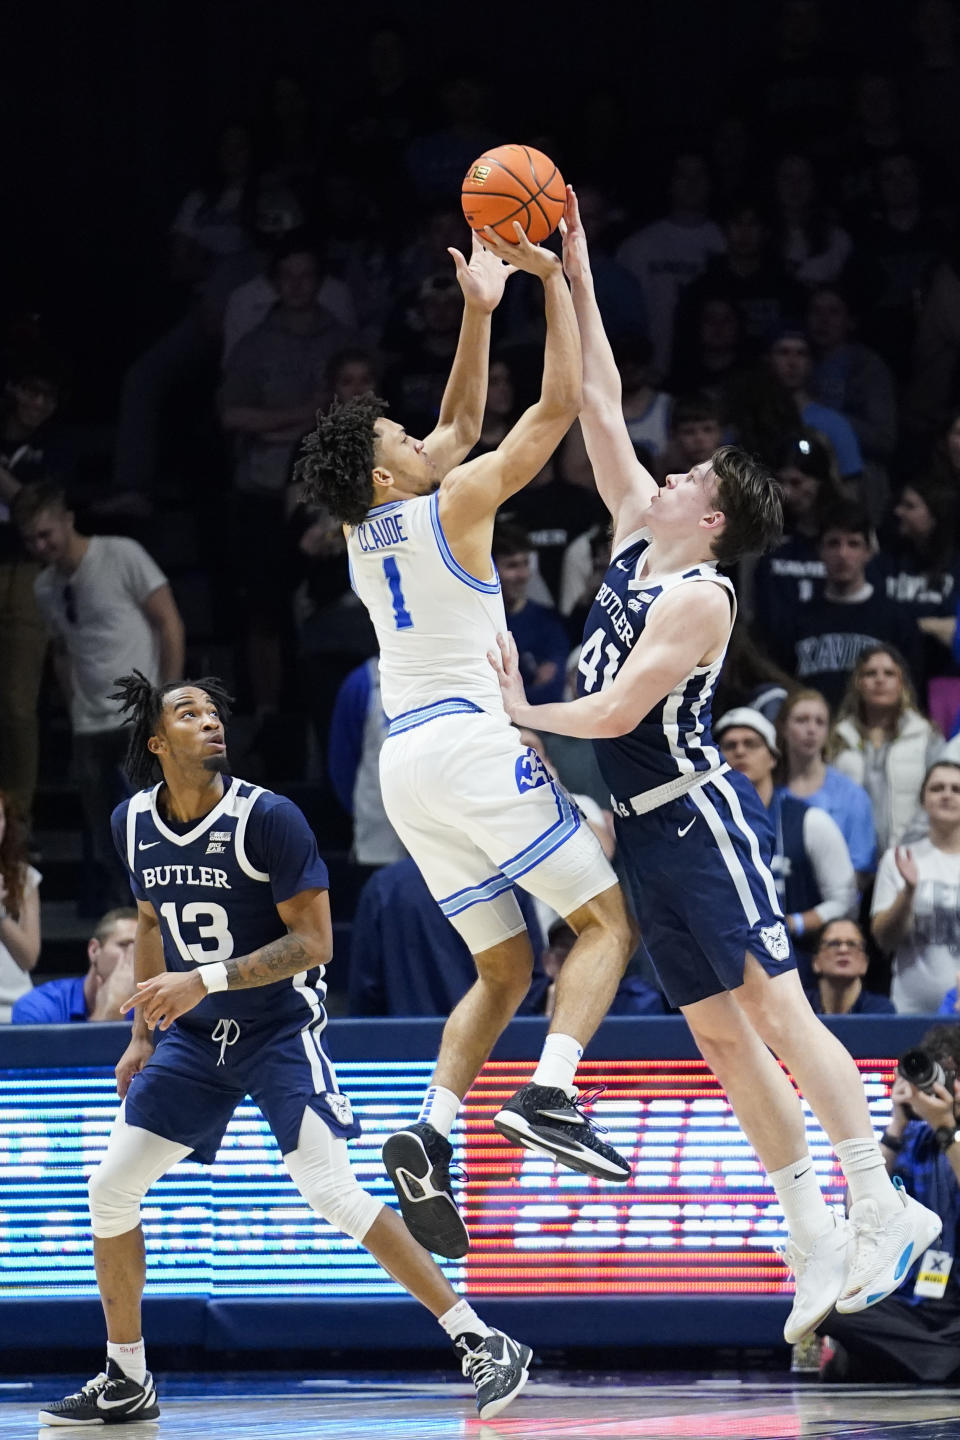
[214, 976]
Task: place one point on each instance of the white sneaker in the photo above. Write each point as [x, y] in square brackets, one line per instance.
[818, 1278]
[882, 1251]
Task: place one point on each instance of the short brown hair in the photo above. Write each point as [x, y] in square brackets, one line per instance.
[109, 922]
[34, 499]
[749, 497]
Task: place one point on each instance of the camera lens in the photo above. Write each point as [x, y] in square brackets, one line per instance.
[920, 1069]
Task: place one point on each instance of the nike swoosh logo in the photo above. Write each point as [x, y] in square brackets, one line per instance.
[112, 1404]
[620, 566]
[149, 845]
[683, 832]
[563, 1115]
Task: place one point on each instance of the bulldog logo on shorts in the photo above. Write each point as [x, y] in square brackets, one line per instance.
[529, 771]
[776, 941]
[340, 1107]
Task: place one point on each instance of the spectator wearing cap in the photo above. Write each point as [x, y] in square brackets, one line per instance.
[791, 362]
[840, 964]
[97, 995]
[811, 864]
[821, 642]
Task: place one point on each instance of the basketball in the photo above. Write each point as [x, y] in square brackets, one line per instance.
[514, 183]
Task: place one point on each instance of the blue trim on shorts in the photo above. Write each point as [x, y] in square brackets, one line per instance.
[487, 587]
[410, 719]
[462, 900]
[567, 823]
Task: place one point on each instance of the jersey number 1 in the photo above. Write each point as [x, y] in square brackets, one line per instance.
[402, 618]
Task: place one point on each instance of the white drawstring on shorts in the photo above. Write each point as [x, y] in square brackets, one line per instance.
[228, 1033]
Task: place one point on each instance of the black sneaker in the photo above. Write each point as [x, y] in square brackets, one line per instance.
[418, 1162]
[497, 1366]
[547, 1120]
[111, 1398]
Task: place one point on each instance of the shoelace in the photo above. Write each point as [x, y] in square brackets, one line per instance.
[478, 1366]
[866, 1242]
[584, 1100]
[88, 1391]
[222, 1031]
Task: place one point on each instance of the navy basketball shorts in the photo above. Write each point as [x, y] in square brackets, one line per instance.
[194, 1082]
[699, 872]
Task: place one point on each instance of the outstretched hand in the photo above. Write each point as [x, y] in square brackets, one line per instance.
[522, 255]
[576, 256]
[165, 997]
[506, 662]
[483, 279]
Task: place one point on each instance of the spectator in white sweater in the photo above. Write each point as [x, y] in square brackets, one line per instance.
[916, 902]
[882, 742]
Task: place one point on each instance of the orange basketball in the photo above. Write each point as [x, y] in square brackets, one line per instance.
[510, 183]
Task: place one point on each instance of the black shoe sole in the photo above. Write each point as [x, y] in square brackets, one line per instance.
[542, 1141]
[435, 1223]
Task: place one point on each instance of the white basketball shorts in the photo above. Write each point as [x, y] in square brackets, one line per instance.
[478, 812]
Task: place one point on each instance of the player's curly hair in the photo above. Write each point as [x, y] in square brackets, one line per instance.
[142, 707]
[336, 458]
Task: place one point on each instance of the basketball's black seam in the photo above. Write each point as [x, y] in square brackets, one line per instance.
[524, 205]
[519, 178]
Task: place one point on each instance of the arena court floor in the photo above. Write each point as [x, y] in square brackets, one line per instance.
[600, 1407]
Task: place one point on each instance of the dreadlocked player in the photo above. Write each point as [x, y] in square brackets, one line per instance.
[233, 934]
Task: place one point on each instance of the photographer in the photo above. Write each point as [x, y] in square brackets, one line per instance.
[915, 1333]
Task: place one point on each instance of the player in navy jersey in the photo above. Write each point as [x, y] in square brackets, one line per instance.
[474, 806]
[696, 840]
[233, 934]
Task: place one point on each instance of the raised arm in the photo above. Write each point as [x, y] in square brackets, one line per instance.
[465, 397]
[471, 494]
[625, 486]
[688, 628]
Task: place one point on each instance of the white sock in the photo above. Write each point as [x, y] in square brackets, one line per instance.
[439, 1109]
[866, 1174]
[558, 1063]
[801, 1201]
[132, 1359]
[462, 1319]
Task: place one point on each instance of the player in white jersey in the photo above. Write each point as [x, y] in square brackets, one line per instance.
[696, 840]
[475, 808]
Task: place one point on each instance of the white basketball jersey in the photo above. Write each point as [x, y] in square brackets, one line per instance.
[434, 621]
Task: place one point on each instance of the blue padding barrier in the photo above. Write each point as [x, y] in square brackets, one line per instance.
[681, 1256]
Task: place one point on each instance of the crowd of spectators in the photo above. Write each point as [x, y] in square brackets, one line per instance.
[793, 286]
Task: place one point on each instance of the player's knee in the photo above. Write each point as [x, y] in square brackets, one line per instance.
[507, 969]
[607, 915]
[341, 1201]
[114, 1203]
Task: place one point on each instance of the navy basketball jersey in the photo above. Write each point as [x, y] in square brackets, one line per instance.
[215, 885]
[670, 748]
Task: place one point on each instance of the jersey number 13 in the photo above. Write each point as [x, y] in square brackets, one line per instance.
[212, 928]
